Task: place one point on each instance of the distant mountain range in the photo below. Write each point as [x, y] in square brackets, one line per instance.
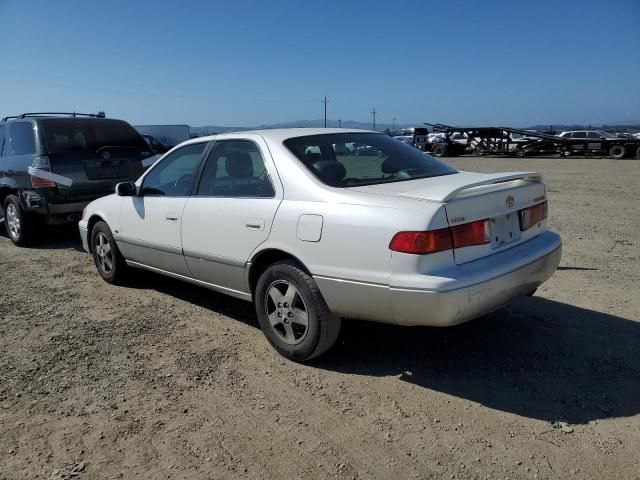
[212, 129]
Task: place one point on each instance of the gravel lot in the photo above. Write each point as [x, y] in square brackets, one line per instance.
[166, 380]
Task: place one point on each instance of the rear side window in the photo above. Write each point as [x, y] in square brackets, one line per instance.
[79, 134]
[21, 139]
[235, 169]
[1, 138]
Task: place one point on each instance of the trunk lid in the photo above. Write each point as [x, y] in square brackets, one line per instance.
[468, 197]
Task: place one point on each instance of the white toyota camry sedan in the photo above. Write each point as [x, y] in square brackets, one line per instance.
[316, 225]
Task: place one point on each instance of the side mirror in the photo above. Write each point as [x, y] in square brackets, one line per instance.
[126, 189]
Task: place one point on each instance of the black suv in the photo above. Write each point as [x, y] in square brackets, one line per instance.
[53, 164]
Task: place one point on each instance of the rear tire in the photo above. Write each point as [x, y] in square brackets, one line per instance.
[617, 152]
[638, 153]
[439, 150]
[108, 259]
[292, 313]
[20, 225]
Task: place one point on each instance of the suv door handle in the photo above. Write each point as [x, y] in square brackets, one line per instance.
[172, 217]
[255, 224]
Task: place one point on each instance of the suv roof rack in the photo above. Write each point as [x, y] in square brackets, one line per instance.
[47, 114]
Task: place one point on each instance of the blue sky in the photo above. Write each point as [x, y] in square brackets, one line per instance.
[248, 63]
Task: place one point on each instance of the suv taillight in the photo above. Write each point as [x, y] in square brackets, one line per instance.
[432, 241]
[41, 163]
[532, 215]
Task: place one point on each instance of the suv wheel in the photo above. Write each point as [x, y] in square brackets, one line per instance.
[108, 259]
[292, 313]
[18, 223]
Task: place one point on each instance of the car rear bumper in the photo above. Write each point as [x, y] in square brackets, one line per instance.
[444, 308]
[453, 296]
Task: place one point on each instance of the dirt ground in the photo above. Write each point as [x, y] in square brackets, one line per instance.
[166, 380]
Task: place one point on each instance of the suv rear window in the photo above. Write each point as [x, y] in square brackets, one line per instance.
[353, 159]
[75, 134]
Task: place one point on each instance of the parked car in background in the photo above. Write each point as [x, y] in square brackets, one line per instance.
[53, 165]
[310, 235]
[167, 135]
[155, 145]
[599, 142]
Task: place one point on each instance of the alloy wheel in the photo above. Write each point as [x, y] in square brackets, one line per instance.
[13, 221]
[104, 254]
[287, 312]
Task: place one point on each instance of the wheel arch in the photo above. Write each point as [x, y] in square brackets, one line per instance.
[261, 261]
[93, 219]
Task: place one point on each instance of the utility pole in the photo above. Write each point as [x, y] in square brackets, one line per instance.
[394, 124]
[340, 122]
[374, 117]
[325, 101]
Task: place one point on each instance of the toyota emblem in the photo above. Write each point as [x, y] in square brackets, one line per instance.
[106, 155]
[509, 201]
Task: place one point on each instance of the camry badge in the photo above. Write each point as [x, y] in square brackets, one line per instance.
[509, 201]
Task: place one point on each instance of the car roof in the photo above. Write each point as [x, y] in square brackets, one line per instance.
[279, 134]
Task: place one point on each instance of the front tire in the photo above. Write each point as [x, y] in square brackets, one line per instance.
[108, 259]
[20, 225]
[292, 313]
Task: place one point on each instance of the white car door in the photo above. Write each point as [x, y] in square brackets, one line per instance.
[231, 213]
[150, 221]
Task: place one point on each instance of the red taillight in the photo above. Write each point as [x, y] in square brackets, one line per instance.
[532, 215]
[420, 243]
[431, 241]
[41, 163]
[469, 234]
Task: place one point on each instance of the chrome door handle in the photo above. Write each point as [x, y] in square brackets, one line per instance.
[255, 223]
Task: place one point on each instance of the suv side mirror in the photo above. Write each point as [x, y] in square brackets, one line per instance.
[126, 189]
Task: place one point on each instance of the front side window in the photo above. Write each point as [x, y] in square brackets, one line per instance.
[174, 174]
[235, 168]
[353, 159]
[21, 139]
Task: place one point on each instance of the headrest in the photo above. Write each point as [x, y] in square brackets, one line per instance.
[390, 165]
[239, 165]
[330, 171]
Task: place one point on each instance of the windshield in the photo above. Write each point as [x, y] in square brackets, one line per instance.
[353, 159]
[80, 134]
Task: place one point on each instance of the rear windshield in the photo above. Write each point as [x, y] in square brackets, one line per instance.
[76, 134]
[353, 159]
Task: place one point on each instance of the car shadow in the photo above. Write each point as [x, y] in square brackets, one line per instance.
[58, 237]
[536, 358]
